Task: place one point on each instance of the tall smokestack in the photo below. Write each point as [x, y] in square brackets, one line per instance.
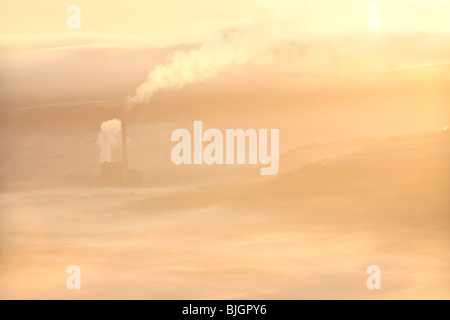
[124, 156]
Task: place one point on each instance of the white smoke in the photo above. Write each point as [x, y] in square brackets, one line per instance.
[298, 38]
[253, 43]
[206, 62]
[109, 138]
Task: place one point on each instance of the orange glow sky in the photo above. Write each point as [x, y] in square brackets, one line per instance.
[364, 172]
[165, 22]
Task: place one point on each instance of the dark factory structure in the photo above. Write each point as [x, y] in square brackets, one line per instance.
[117, 173]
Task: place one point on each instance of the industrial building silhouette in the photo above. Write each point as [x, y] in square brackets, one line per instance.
[117, 173]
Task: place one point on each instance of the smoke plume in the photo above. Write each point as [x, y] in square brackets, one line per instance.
[205, 62]
[311, 43]
[109, 138]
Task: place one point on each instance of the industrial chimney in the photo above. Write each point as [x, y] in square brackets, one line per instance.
[124, 156]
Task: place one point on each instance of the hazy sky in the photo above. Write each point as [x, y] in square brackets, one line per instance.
[169, 21]
[311, 68]
[38, 53]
